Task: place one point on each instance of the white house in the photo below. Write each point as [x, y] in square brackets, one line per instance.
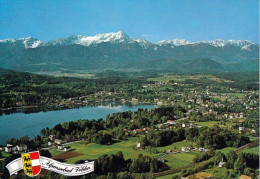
[21, 148]
[241, 129]
[66, 149]
[14, 149]
[185, 149]
[202, 149]
[60, 147]
[171, 122]
[134, 100]
[8, 149]
[138, 145]
[159, 103]
[58, 141]
[221, 163]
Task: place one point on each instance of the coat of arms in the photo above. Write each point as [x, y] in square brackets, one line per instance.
[31, 163]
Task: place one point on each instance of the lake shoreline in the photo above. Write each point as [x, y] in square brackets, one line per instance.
[32, 123]
[46, 108]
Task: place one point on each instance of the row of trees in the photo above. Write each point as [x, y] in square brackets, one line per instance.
[162, 138]
[218, 138]
[115, 163]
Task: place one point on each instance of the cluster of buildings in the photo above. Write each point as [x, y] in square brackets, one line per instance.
[14, 148]
[58, 143]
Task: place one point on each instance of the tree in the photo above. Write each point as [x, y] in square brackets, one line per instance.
[43, 132]
[240, 164]
[45, 153]
[231, 159]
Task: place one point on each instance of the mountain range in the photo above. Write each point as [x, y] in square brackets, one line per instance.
[120, 51]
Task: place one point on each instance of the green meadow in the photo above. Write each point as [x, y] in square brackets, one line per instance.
[169, 176]
[54, 152]
[254, 150]
[4, 154]
[176, 145]
[93, 151]
[227, 150]
[180, 78]
[223, 125]
[180, 160]
[218, 172]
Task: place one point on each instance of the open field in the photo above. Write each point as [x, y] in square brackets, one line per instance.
[208, 123]
[239, 95]
[180, 160]
[169, 176]
[55, 152]
[227, 149]
[223, 125]
[78, 74]
[175, 161]
[218, 172]
[200, 175]
[254, 150]
[4, 154]
[93, 151]
[253, 138]
[176, 145]
[181, 78]
[67, 155]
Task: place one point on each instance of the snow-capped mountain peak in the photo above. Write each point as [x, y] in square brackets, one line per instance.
[143, 43]
[107, 37]
[7, 40]
[113, 37]
[121, 37]
[30, 42]
[175, 42]
[243, 44]
[222, 43]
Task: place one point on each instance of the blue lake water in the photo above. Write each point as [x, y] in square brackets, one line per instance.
[17, 125]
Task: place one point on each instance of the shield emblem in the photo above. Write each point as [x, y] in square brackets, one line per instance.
[31, 163]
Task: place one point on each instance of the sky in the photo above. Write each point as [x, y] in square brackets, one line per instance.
[153, 20]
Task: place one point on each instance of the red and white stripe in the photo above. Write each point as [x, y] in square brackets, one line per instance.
[35, 159]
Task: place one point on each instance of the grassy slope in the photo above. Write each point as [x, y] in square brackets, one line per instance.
[93, 151]
[55, 152]
[180, 160]
[212, 123]
[254, 150]
[169, 176]
[176, 145]
[4, 154]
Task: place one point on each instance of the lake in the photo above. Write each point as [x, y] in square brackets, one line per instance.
[17, 125]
